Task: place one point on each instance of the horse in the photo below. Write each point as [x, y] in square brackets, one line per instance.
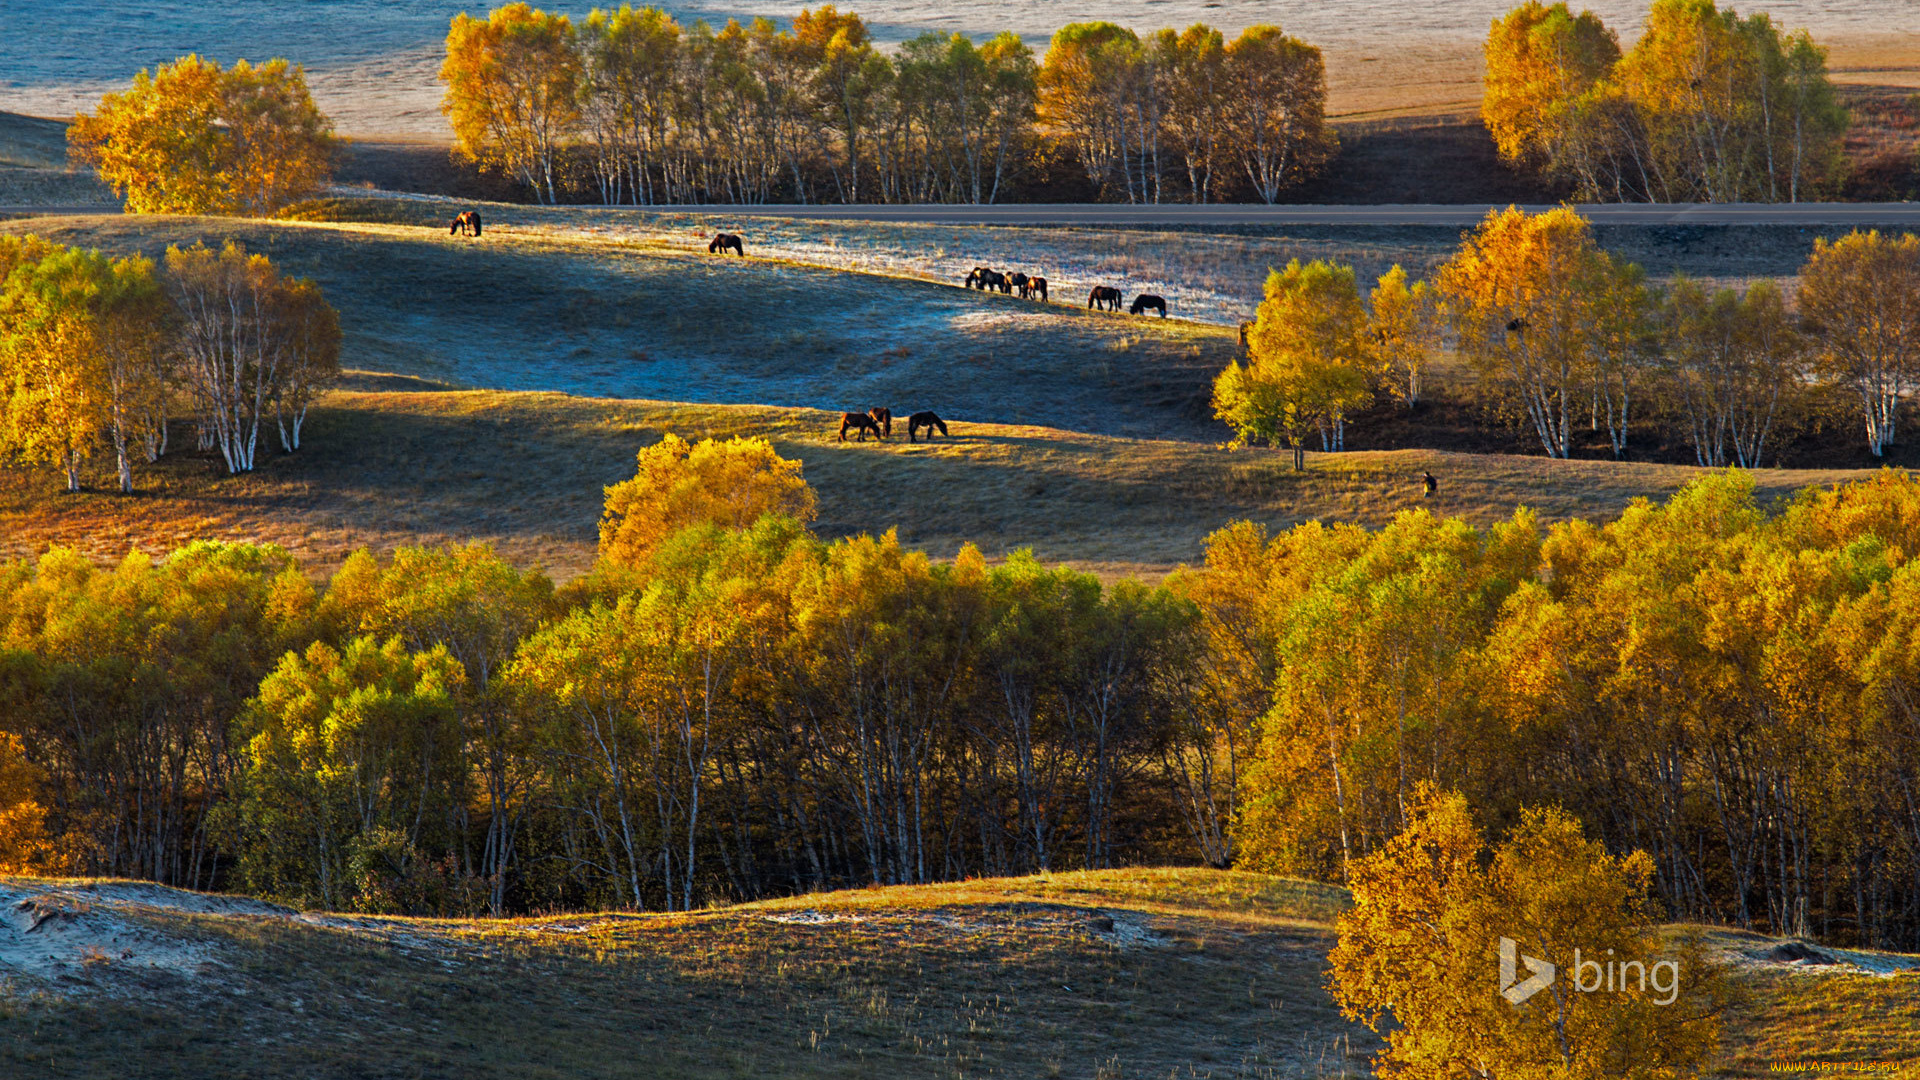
[722, 242]
[466, 223]
[1104, 298]
[924, 420]
[1432, 485]
[984, 279]
[1245, 329]
[882, 416]
[860, 422]
[993, 279]
[1034, 286]
[1145, 301]
[1019, 282]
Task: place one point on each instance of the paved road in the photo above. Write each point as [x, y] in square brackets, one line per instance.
[1814, 214]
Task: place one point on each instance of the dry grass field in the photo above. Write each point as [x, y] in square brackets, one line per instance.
[384, 467]
[1185, 973]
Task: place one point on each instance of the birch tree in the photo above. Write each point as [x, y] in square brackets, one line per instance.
[512, 95]
[1860, 297]
[1276, 109]
[232, 350]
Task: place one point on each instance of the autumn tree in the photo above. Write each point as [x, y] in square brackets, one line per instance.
[1305, 368]
[629, 97]
[1544, 65]
[1193, 68]
[1088, 81]
[1707, 106]
[349, 774]
[513, 91]
[1419, 950]
[1860, 298]
[1403, 322]
[1738, 365]
[251, 342]
[23, 820]
[193, 139]
[1275, 109]
[730, 483]
[1549, 320]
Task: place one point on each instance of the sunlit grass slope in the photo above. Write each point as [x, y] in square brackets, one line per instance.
[383, 467]
[1188, 973]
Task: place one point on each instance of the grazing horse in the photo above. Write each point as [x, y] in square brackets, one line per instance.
[1145, 301]
[883, 417]
[861, 422]
[1035, 286]
[1432, 485]
[924, 420]
[723, 242]
[466, 223]
[1019, 282]
[994, 279]
[1104, 298]
[984, 279]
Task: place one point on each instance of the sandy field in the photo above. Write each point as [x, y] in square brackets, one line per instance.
[372, 62]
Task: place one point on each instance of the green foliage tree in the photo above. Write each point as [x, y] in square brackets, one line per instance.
[1305, 368]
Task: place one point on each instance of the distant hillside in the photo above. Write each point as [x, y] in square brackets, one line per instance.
[33, 166]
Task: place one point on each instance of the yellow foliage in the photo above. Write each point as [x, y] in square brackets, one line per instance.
[193, 139]
[22, 819]
[731, 483]
[1420, 956]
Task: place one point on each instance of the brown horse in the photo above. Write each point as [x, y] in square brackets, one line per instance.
[724, 242]
[1019, 282]
[1145, 301]
[882, 416]
[861, 422]
[467, 223]
[924, 420]
[1035, 286]
[1104, 298]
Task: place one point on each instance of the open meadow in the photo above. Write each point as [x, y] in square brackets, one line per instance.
[1104, 974]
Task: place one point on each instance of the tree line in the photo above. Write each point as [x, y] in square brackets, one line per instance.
[1706, 106]
[730, 707]
[636, 109]
[104, 353]
[1559, 334]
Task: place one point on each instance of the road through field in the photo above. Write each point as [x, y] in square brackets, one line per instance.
[1232, 214]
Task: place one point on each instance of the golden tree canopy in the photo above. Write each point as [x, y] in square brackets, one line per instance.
[731, 483]
[193, 139]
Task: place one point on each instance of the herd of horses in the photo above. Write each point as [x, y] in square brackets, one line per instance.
[1102, 298]
[879, 421]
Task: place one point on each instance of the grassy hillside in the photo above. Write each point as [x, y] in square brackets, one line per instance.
[530, 309]
[1127, 973]
[33, 165]
[396, 462]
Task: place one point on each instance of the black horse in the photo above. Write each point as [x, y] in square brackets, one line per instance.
[467, 223]
[1035, 286]
[1104, 298]
[987, 280]
[860, 422]
[1145, 301]
[724, 242]
[924, 420]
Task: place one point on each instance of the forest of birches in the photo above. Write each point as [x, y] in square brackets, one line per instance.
[628, 106]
